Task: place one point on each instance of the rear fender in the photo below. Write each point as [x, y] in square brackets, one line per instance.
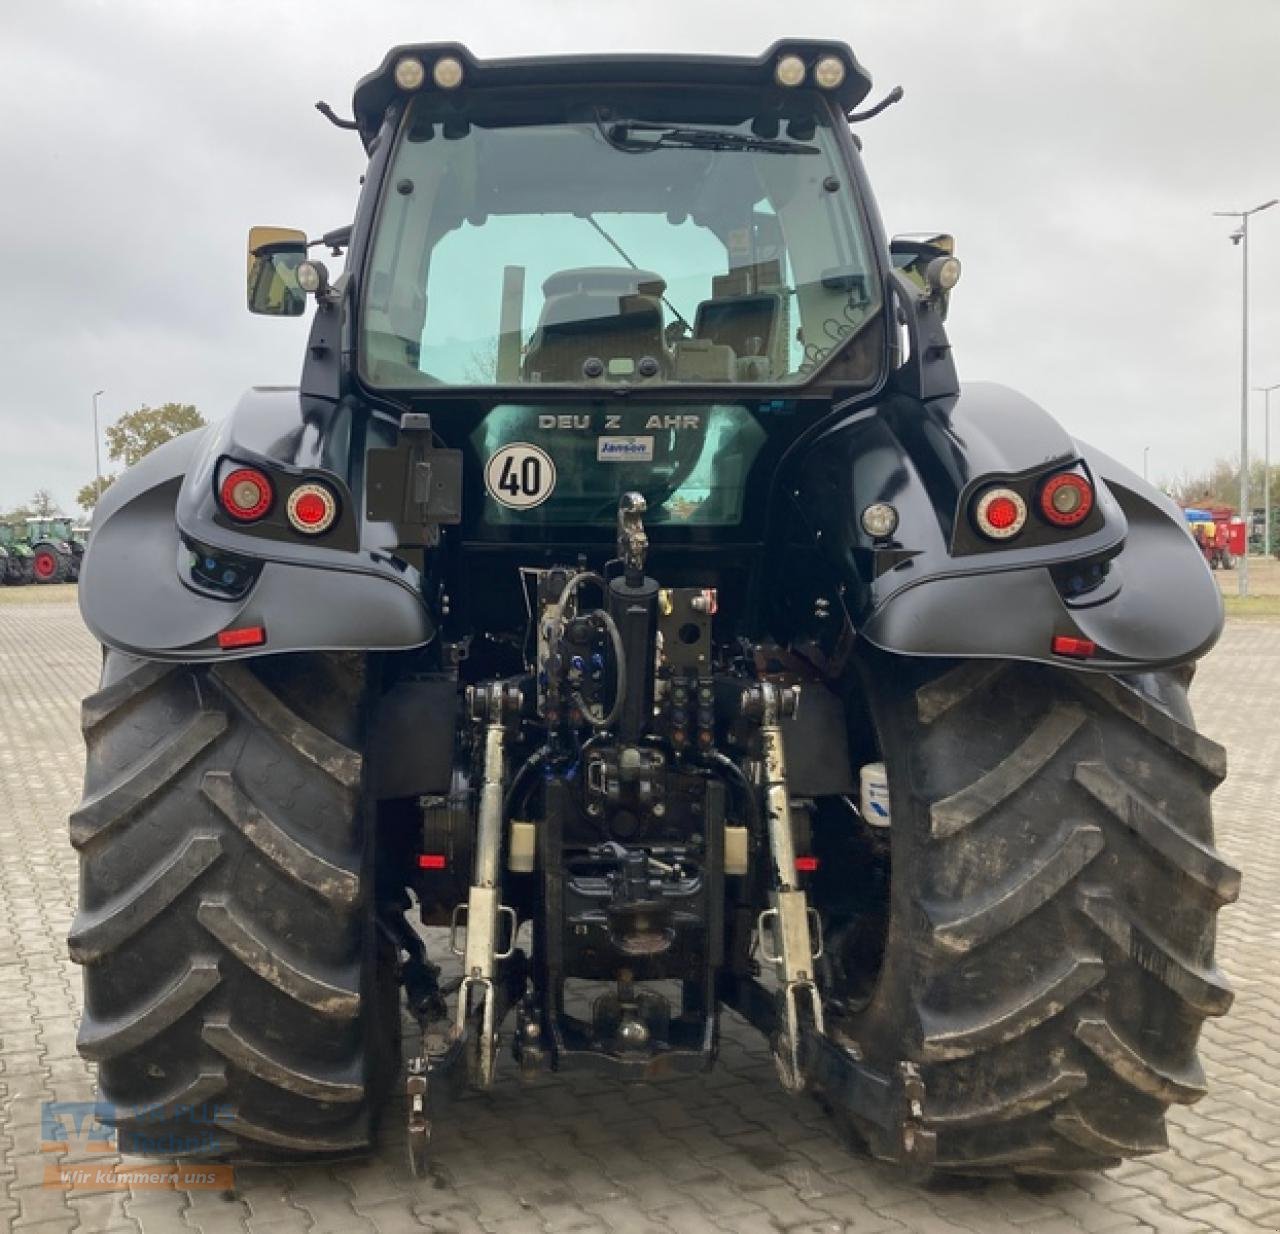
[138, 593]
[1132, 583]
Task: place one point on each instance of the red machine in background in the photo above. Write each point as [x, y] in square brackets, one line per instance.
[1220, 533]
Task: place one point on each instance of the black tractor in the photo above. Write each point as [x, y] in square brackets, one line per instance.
[631, 588]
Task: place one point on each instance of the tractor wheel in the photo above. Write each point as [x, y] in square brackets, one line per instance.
[48, 565]
[1048, 954]
[226, 919]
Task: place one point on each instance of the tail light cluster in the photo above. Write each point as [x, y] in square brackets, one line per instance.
[1064, 500]
[311, 509]
[248, 495]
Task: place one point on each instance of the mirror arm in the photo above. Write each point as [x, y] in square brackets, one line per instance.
[329, 114]
[894, 96]
[335, 241]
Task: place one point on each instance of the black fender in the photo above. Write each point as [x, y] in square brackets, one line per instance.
[1130, 581]
[137, 592]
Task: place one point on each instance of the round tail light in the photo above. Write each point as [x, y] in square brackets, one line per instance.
[1066, 499]
[246, 494]
[1000, 513]
[311, 509]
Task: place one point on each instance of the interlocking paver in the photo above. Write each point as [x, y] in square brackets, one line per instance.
[723, 1152]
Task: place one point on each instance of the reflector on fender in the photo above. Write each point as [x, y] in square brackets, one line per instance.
[431, 861]
[1076, 648]
[245, 636]
[806, 865]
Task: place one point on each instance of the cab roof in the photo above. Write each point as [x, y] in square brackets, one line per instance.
[378, 89]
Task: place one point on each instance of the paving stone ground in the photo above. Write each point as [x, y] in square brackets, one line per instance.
[727, 1152]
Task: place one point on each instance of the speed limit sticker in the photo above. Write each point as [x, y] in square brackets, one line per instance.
[520, 476]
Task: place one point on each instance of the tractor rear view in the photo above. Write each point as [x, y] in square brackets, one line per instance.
[631, 574]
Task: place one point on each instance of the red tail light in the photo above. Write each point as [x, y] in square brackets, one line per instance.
[1000, 513]
[1075, 648]
[311, 509]
[1066, 499]
[245, 636]
[246, 494]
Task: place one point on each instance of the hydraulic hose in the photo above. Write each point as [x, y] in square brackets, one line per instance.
[755, 824]
[595, 718]
[620, 679]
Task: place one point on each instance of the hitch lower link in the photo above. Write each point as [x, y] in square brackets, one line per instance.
[794, 928]
[473, 1034]
[888, 1111]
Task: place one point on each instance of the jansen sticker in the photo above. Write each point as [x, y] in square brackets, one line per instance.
[624, 449]
[520, 476]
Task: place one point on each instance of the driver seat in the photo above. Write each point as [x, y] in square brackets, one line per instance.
[613, 314]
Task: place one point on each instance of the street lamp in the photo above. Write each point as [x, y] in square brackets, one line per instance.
[1265, 391]
[1241, 238]
[97, 452]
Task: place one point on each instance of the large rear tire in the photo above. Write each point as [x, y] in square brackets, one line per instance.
[226, 919]
[48, 565]
[1048, 960]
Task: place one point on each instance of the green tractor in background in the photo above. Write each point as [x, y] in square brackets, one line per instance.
[56, 555]
[16, 565]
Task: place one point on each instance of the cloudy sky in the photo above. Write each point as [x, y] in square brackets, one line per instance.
[1076, 148]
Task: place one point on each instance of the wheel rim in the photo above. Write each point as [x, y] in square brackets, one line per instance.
[46, 565]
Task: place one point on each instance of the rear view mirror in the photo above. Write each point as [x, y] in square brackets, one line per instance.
[275, 253]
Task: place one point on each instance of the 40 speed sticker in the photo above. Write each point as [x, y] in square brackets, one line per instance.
[520, 476]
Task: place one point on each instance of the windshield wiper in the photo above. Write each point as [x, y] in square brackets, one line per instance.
[618, 134]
